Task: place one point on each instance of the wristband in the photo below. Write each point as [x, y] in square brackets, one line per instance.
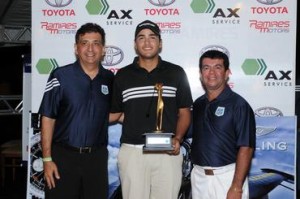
[179, 140]
[47, 159]
[237, 190]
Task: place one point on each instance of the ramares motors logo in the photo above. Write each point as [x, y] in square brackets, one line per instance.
[163, 8]
[220, 15]
[59, 28]
[58, 9]
[169, 27]
[270, 25]
[46, 65]
[272, 78]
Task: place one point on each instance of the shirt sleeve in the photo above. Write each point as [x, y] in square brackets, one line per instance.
[51, 99]
[245, 126]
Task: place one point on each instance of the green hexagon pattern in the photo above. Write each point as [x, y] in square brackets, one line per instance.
[97, 7]
[45, 66]
[254, 66]
[202, 6]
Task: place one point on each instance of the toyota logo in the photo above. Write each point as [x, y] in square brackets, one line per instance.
[268, 112]
[113, 56]
[269, 2]
[58, 3]
[161, 3]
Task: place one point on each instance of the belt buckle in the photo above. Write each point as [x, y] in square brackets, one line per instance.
[85, 149]
[209, 172]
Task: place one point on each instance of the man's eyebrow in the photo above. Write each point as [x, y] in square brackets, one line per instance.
[93, 40]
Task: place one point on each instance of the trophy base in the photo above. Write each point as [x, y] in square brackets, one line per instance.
[158, 142]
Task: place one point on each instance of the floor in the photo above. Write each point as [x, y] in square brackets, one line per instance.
[14, 189]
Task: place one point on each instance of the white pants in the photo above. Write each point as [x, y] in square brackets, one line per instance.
[149, 176]
[208, 185]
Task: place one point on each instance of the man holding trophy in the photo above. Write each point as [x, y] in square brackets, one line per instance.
[154, 97]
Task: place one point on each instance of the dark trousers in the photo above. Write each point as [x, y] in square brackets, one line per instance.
[82, 176]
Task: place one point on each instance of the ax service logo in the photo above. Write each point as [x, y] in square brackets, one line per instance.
[219, 15]
[271, 78]
[114, 17]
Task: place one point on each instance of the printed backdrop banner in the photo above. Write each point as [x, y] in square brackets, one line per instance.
[255, 34]
[273, 170]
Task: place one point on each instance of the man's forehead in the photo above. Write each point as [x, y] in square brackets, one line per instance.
[213, 60]
[89, 39]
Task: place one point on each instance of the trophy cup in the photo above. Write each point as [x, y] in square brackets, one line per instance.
[158, 140]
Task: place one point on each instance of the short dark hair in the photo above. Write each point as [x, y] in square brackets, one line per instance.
[88, 28]
[215, 54]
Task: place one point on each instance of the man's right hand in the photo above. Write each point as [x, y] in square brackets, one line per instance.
[51, 172]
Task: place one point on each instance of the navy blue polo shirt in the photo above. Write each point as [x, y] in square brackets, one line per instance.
[79, 105]
[220, 127]
[135, 95]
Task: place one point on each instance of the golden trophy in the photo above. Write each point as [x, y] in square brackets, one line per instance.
[158, 140]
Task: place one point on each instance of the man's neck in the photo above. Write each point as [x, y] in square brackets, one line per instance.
[148, 64]
[213, 94]
[91, 71]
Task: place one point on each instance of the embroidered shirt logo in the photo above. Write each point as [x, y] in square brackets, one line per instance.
[104, 89]
[220, 111]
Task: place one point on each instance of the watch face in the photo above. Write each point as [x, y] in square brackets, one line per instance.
[37, 182]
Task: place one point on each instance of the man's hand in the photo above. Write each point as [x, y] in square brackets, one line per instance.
[176, 145]
[50, 171]
[234, 193]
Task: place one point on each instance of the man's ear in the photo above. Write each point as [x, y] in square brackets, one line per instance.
[75, 49]
[103, 51]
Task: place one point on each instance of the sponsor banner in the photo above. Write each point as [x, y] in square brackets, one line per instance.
[273, 170]
[259, 36]
[246, 29]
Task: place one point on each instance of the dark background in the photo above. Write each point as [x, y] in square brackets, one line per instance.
[11, 83]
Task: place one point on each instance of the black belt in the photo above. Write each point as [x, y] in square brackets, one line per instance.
[85, 149]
